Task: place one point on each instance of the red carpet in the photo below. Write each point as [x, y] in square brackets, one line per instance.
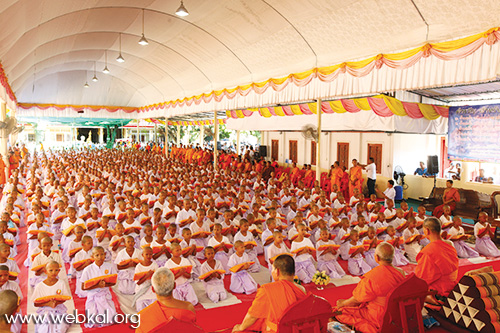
[224, 318]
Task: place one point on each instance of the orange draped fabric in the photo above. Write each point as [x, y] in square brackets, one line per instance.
[157, 314]
[371, 291]
[271, 301]
[355, 179]
[2, 171]
[437, 264]
[336, 177]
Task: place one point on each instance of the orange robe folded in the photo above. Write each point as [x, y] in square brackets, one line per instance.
[371, 291]
[271, 301]
[156, 315]
[437, 264]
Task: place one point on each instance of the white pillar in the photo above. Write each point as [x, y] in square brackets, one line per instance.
[4, 137]
[216, 137]
[166, 139]
[238, 142]
[178, 135]
[101, 135]
[202, 135]
[318, 141]
[155, 133]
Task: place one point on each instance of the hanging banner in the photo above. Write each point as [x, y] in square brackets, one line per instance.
[474, 133]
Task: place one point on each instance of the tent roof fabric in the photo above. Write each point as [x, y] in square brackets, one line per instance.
[49, 47]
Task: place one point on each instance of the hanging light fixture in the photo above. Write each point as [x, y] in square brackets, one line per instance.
[105, 70]
[143, 40]
[86, 85]
[95, 79]
[181, 11]
[120, 58]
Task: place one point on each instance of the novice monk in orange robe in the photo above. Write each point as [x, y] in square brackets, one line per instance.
[158, 314]
[437, 263]
[355, 178]
[273, 298]
[365, 309]
[337, 174]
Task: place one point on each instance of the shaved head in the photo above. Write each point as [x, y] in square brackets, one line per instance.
[8, 303]
[285, 264]
[433, 225]
[385, 252]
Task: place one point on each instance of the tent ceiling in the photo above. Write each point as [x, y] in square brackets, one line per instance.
[48, 47]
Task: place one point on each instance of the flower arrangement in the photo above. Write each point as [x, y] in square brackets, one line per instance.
[320, 279]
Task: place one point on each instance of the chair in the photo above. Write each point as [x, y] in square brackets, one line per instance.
[175, 325]
[403, 307]
[309, 315]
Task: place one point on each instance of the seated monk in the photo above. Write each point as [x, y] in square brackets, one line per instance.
[158, 314]
[437, 263]
[365, 309]
[273, 298]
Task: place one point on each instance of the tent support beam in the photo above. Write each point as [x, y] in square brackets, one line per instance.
[216, 137]
[318, 141]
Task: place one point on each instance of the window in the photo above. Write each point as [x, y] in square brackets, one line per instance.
[31, 137]
[343, 154]
[313, 152]
[59, 137]
[375, 151]
[293, 150]
[274, 149]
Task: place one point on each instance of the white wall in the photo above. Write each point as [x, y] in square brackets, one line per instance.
[410, 149]
[358, 147]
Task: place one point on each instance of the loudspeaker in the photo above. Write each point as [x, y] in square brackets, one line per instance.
[432, 164]
[263, 151]
[219, 145]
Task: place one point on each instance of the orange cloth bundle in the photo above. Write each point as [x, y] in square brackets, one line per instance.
[208, 274]
[356, 248]
[201, 234]
[74, 251]
[220, 246]
[111, 278]
[253, 243]
[345, 237]
[58, 298]
[85, 216]
[133, 229]
[303, 248]
[186, 250]
[116, 241]
[69, 229]
[170, 214]
[446, 225]
[237, 268]
[329, 246]
[121, 217]
[128, 261]
[92, 225]
[402, 226]
[80, 263]
[138, 276]
[381, 230]
[177, 269]
[483, 229]
[9, 242]
[110, 233]
[335, 224]
[60, 218]
[110, 216]
[35, 254]
[175, 240]
[255, 232]
[37, 268]
[413, 239]
[13, 275]
[363, 233]
[145, 220]
[460, 237]
[157, 249]
[307, 235]
[13, 231]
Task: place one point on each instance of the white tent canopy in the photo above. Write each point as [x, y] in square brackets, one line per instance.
[49, 47]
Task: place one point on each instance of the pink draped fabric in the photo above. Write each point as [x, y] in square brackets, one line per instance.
[412, 110]
[379, 107]
[349, 105]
